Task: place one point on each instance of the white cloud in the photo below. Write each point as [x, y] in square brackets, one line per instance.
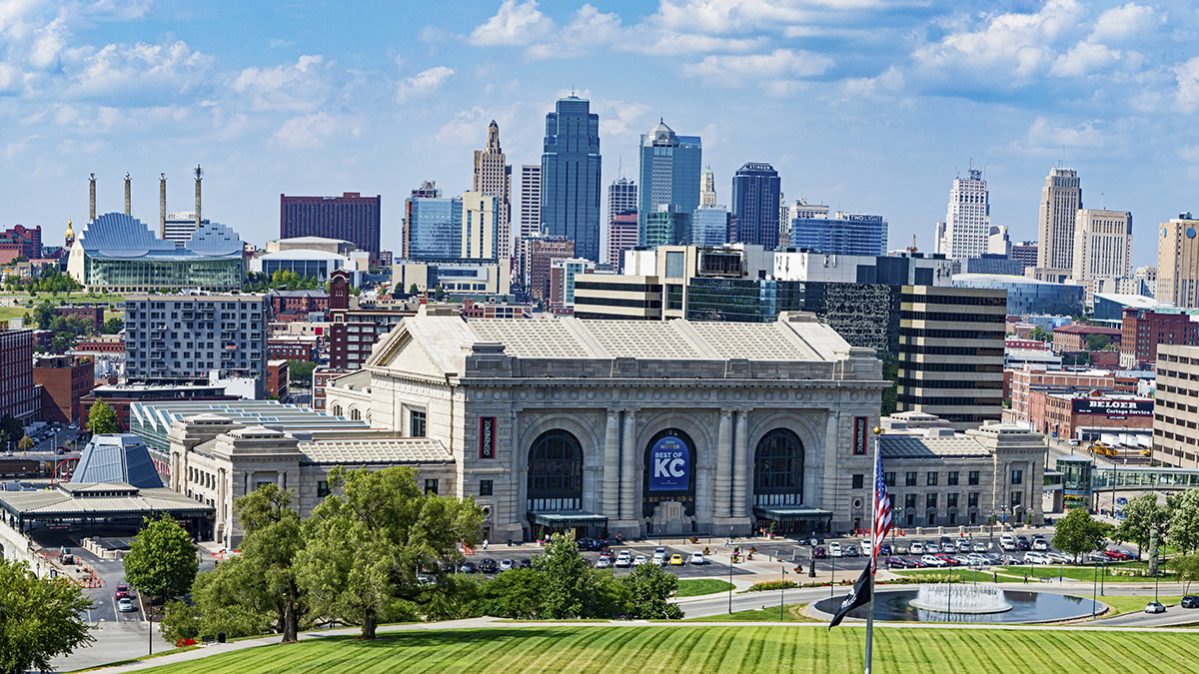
[618, 118]
[587, 28]
[423, 82]
[11, 79]
[1122, 22]
[779, 64]
[1187, 94]
[1087, 57]
[515, 23]
[647, 39]
[300, 87]
[312, 131]
[731, 16]
[890, 81]
[136, 73]
[1044, 138]
[48, 45]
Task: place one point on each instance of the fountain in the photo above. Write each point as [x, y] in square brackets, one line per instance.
[961, 598]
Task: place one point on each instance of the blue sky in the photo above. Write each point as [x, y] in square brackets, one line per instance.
[867, 105]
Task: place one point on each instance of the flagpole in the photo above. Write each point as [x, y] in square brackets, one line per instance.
[873, 555]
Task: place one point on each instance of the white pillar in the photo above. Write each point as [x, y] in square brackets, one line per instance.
[611, 491]
[724, 464]
[628, 471]
[740, 464]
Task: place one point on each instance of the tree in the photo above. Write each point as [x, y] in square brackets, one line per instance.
[232, 598]
[180, 620]
[1184, 520]
[299, 372]
[270, 546]
[101, 419]
[413, 289]
[514, 594]
[649, 587]
[1078, 533]
[364, 546]
[1186, 567]
[25, 443]
[1143, 517]
[1098, 342]
[40, 619]
[112, 325]
[161, 560]
[11, 429]
[44, 314]
[1038, 333]
[571, 588]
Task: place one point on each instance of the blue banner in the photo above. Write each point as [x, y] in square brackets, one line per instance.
[669, 465]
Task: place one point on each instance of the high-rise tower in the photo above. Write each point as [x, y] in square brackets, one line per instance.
[756, 190]
[670, 170]
[967, 219]
[707, 188]
[570, 176]
[530, 200]
[1061, 197]
[493, 177]
[1178, 262]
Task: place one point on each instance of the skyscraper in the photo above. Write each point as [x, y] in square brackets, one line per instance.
[1061, 197]
[570, 176]
[756, 189]
[622, 197]
[350, 217]
[622, 236]
[1178, 262]
[707, 189]
[967, 219]
[493, 176]
[840, 233]
[1102, 244]
[670, 170]
[530, 200]
[432, 225]
[481, 228]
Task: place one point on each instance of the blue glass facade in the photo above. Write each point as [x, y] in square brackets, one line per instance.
[570, 176]
[670, 169]
[1028, 296]
[841, 234]
[709, 226]
[434, 228]
[756, 189]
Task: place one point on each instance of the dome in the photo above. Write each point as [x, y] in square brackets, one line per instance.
[660, 134]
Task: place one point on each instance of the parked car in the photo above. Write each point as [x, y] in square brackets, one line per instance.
[1154, 607]
[834, 549]
[468, 567]
[884, 549]
[915, 562]
[963, 545]
[488, 565]
[933, 560]
[932, 548]
[425, 579]
[975, 559]
[897, 563]
[506, 565]
[1007, 542]
[819, 552]
[1010, 560]
[1097, 558]
[526, 563]
[676, 560]
[949, 560]
[1040, 544]
[1059, 558]
[1189, 601]
[659, 554]
[624, 560]
[697, 558]
[122, 591]
[864, 545]
[1022, 543]
[917, 548]
[126, 605]
[978, 546]
[850, 551]
[902, 549]
[603, 563]
[640, 559]
[1036, 558]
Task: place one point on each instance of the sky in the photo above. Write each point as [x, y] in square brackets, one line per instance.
[866, 105]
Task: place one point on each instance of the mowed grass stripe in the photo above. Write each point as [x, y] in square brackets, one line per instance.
[1147, 653]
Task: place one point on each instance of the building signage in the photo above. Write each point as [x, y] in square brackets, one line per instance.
[669, 465]
[486, 437]
[1113, 409]
[860, 434]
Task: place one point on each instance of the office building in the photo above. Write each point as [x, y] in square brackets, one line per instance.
[1143, 331]
[665, 227]
[622, 197]
[179, 227]
[493, 176]
[354, 332]
[670, 179]
[991, 264]
[998, 242]
[350, 217]
[118, 253]
[19, 397]
[482, 234]
[453, 277]
[1061, 197]
[1078, 337]
[563, 272]
[756, 193]
[898, 270]
[707, 189]
[840, 233]
[523, 457]
[1102, 244]
[314, 264]
[432, 225]
[709, 226]
[967, 219]
[1175, 437]
[1023, 380]
[1025, 252]
[22, 241]
[1027, 296]
[1178, 262]
[63, 380]
[622, 236]
[951, 343]
[1087, 415]
[570, 176]
[539, 253]
[530, 200]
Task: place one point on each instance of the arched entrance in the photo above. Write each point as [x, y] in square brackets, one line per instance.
[778, 486]
[554, 487]
[669, 485]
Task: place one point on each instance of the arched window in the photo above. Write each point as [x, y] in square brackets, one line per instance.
[337, 410]
[555, 472]
[355, 414]
[778, 469]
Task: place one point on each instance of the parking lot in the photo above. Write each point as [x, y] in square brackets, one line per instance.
[715, 564]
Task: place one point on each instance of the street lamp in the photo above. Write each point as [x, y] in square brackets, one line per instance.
[730, 581]
[1094, 601]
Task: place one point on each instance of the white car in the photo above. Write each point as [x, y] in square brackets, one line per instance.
[932, 548]
[834, 549]
[1036, 558]
[1040, 545]
[639, 560]
[1154, 607]
[865, 546]
[978, 546]
[659, 555]
[1007, 542]
[506, 564]
[975, 559]
[125, 605]
[1059, 558]
[697, 558]
[963, 545]
[934, 561]
[603, 563]
[623, 560]
[917, 548]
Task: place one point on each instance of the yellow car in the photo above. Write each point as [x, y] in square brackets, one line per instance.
[676, 560]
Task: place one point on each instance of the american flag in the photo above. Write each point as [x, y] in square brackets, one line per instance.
[882, 510]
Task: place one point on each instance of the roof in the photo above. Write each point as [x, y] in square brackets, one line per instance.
[302, 254]
[156, 417]
[116, 458]
[313, 239]
[99, 503]
[120, 236]
[1085, 329]
[916, 447]
[1010, 279]
[375, 450]
[1134, 301]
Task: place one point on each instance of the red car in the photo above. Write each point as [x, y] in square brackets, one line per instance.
[951, 561]
[122, 591]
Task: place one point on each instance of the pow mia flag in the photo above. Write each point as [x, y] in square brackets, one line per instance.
[858, 596]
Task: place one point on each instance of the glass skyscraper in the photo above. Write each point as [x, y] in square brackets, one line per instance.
[434, 228]
[710, 226]
[570, 176]
[841, 234]
[756, 189]
[670, 177]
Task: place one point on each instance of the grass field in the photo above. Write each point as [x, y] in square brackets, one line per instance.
[718, 650]
[792, 613]
[1015, 574]
[963, 576]
[695, 587]
[1134, 603]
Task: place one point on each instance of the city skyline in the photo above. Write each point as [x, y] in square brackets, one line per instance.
[149, 87]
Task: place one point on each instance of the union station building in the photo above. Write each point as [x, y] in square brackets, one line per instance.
[634, 428]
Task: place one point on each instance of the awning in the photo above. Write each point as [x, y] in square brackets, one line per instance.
[567, 518]
[791, 513]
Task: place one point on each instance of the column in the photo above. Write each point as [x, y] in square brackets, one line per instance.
[740, 463]
[611, 491]
[628, 470]
[724, 464]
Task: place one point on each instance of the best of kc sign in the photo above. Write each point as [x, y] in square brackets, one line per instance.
[669, 465]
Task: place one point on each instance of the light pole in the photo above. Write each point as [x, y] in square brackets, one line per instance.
[832, 581]
[730, 582]
[1094, 601]
[782, 590]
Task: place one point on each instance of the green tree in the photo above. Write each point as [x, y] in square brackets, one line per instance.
[413, 289]
[1098, 342]
[11, 430]
[571, 588]
[44, 314]
[233, 598]
[162, 559]
[180, 620]
[1038, 333]
[514, 594]
[365, 545]
[112, 325]
[101, 419]
[1184, 520]
[299, 372]
[40, 619]
[25, 443]
[1143, 516]
[270, 546]
[1078, 533]
[1186, 567]
[649, 587]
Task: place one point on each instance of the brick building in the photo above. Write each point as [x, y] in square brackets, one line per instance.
[539, 253]
[1073, 337]
[295, 305]
[94, 315]
[121, 396]
[18, 396]
[65, 380]
[1086, 415]
[276, 378]
[22, 241]
[1143, 330]
[292, 347]
[353, 333]
[350, 217]
[1025, 379]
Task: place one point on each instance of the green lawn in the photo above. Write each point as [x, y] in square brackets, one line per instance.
[1015, 574]
[695, 587]
[1134, 603]
[8, 313]
[718, 650]
[792, 613]
[958, 576]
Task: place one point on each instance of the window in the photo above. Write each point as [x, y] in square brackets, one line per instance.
[857, 481]
[952, 479]
[1015, 499]
[909, 479]
[972, 499]
[1017, 476]
[930, 500]
[555, 474]
[485, 487]
[431, 486]
[322, 488]
[262, 483]
[951, 500]
[416, 423]
[909, 502]
[972, 477]
[778, 469]
[889, 479]
[932, 478]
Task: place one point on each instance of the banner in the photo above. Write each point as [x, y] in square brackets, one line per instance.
[486, 437]
[669, 465]
[860, 433]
